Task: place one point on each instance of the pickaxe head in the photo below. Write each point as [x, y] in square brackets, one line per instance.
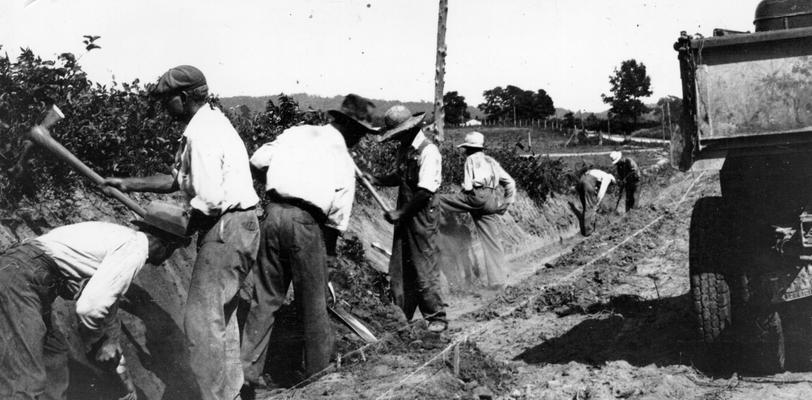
[52, 116]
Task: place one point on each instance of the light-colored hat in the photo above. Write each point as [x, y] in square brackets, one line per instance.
[398, 120]
[474, 140]
[166, 217]
[615, 156]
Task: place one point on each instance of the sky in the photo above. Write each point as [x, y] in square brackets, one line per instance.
[377, 48]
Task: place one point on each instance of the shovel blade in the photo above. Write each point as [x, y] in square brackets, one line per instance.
[353, 323]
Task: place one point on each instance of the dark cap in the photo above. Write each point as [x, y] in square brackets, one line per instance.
[180, 78]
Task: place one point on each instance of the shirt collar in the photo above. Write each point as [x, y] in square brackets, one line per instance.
[199, 113]
[418, 139]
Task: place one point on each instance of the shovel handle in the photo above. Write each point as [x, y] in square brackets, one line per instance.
[368, 185]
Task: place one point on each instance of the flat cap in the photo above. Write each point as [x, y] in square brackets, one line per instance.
[180, 78]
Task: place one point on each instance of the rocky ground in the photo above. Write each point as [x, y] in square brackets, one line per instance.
[608, 318]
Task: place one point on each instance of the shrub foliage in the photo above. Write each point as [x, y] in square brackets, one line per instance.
[119, 131]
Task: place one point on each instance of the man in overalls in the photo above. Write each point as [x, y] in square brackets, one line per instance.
[479, 198]
[413, 268]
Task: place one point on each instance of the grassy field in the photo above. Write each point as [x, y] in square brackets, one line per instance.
[542, 140]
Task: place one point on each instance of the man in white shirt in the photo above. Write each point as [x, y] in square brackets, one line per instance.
[591, 196]
[310, 182]
[413, 269]
[95, 261]
[212, 169]
[482, 174]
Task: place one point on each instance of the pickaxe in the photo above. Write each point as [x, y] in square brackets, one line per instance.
[41, 135]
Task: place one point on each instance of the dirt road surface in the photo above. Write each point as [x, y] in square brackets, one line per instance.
[608, 319]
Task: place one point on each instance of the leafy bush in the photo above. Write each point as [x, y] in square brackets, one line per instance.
[120, 131]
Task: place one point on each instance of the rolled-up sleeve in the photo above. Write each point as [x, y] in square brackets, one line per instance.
[110, 281]
[338, 216]
[468, 174]
[507, 182]
[261, 158]
[431, 168]
[206, 157]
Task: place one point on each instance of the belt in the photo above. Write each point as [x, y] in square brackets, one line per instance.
[202, 222]
[304, 205]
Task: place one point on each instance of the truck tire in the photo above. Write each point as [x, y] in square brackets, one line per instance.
[710, 291]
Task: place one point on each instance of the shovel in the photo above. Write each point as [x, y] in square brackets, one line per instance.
[348, 319]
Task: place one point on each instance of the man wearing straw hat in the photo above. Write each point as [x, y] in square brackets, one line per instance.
[413, 269]
[629, 176]
[91, 262]
[310, 182]
[480, 198]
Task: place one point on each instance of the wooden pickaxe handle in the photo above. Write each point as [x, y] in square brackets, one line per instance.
[367, 184]
[40, 135]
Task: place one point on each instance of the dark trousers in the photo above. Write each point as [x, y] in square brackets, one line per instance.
[587, 188]
[292, 249]
[631, 193]
[31, 351]
[225, 255]
[413, 266]
[482, 204]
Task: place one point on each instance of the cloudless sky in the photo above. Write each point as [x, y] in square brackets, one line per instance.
[377, 48]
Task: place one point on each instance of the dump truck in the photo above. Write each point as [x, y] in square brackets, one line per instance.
[747, 111]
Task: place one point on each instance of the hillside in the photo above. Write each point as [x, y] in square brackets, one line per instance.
[307, 101]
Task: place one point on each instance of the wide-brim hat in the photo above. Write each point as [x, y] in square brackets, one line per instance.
[357, 110]
[399, 120]
[474, 140]
[615, 156]
[167, 218]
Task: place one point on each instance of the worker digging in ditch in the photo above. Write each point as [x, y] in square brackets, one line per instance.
[413, 268]
[211, 167]
[628, 177]
[480, 198]
[310, 186]
[92, 262]
[591, 195]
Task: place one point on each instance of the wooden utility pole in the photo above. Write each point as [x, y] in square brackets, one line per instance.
[439, 70]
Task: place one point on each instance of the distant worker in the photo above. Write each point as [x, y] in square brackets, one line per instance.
[479, 197]
[413, 267]
[309, 176]
[591, 196]
[211, 167]
[92, 262]
[628, 177]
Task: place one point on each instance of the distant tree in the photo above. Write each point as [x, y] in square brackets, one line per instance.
[456, 109]
[628, 84]
[592, 122]
[569, 120]
[543, 106]
[288, 110]
[514, 103]
[674, 105]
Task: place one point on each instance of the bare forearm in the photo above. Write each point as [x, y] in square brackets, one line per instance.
[158, 183]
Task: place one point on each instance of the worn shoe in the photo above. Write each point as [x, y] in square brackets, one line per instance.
[437, 326]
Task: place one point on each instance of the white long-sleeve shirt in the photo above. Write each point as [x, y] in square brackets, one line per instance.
[604, 178]
[482, 170]
[311, 163]
[212, 165]
[109, 254]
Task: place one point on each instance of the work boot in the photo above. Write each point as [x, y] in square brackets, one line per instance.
[437, 326]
